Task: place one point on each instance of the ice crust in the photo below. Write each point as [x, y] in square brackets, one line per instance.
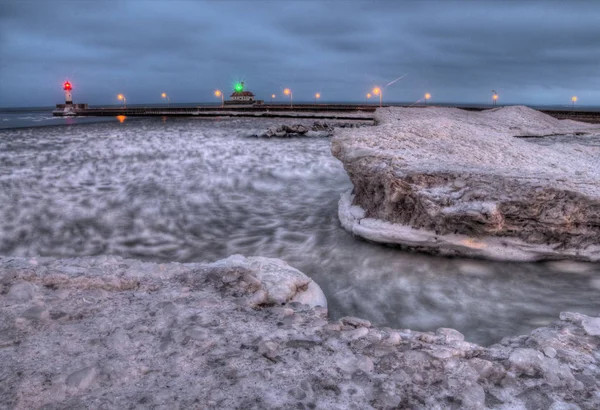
[469, 183]
[112, 333]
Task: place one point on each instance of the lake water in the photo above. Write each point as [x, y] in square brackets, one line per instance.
[193, 190]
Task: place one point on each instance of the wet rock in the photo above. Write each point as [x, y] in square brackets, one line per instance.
[526, 361]
[355, 321]
[355, 334]
[450, 335]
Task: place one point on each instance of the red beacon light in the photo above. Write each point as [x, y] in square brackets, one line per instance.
[67, 86]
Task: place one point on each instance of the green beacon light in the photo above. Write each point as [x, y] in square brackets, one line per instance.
[239, 87]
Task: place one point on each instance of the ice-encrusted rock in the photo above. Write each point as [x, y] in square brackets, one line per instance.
[451, 181]
[276, 282]
[317, 130]
[121, 333]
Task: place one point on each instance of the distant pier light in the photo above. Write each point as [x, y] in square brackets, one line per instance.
[273, 96]
[317, 96]
[427, 97]
[121, 97]
[377, 91]
[494, 97]
[67, 87]
[367, 98]
[218, 94]
[164, 95]
[287, 91]
[574, 100]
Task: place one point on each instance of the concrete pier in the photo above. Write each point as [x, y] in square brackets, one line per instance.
[316, 111]
[324, 111]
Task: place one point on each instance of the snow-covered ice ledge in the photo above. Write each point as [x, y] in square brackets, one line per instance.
[455, 182]
[352, 218]
[112, 333]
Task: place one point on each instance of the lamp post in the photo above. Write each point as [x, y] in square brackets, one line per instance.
[377, 91]
[494, 97]
[427, 97]
[367, 99]
[164, 95]
[574, 99]
[218, 93]
[287, 91]
[317, 96]
[121, 97]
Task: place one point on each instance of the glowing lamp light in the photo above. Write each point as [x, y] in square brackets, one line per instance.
[573, 98]
[239, 87]
[287, 91]
[67, 86]
[219, 94]
[369, 95]
[427, 96]
[273, 96]
[164, 95]
[377, 91]
[495, 97]
[318, 95]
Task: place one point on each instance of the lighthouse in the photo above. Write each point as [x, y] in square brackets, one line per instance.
[68, 98]
[68, 108]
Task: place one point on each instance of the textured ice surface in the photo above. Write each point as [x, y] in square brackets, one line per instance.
[457, 182]
[118, 333]
[191, 190]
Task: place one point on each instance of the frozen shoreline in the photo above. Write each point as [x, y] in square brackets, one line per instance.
[460, 183]
[108, 332]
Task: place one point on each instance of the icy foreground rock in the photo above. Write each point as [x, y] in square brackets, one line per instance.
[451, 181]
[111, 333]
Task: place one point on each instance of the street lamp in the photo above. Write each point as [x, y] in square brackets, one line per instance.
[377, 91]
[367, 99]
[287, 91]
[494, 97]
[574, 99]
[121, 97]
[164, 95]
[218, 93]
[427, 96]
[317, 96]
[273, 97]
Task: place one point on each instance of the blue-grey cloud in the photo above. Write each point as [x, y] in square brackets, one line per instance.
[536, 52]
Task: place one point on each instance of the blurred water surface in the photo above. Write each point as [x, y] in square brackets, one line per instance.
[199, 190]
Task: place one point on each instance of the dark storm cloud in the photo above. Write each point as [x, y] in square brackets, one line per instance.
[529, 51]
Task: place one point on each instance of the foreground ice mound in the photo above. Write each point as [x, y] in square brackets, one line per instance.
[112, 333]
[451, 181]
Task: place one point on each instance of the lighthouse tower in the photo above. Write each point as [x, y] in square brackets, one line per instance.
[68, 98]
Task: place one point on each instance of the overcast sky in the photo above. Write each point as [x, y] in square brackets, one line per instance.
[533, 52]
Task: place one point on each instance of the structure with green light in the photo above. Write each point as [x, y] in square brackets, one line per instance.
[241, 97]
